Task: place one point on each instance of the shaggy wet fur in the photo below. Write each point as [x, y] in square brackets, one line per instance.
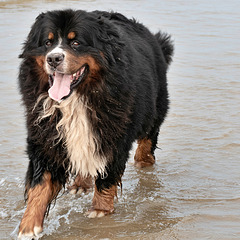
[122, 97]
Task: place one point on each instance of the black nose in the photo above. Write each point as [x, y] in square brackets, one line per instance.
[54, 59]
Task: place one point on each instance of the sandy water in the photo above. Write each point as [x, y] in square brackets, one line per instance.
[193, 191]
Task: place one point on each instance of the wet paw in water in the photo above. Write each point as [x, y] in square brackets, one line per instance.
[81, 185]
[78, 190]
[94, 213]
[30, 233]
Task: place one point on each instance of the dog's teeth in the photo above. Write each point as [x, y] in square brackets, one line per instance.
[82, 70]
[75, 74]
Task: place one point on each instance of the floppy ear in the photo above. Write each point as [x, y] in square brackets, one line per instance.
[110, 39]
[33, 39]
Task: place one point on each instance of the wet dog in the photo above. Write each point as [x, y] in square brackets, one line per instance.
[92, 83]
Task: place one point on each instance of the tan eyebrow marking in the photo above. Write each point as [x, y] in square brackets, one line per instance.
[71, 35]
[50, 36]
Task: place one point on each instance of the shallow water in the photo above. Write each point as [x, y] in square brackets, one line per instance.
[193, 190]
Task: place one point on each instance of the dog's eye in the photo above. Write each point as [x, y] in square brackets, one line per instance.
[75, 43]
[48, 43]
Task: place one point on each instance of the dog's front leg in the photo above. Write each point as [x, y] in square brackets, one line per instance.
[38, 200]
[103, 202]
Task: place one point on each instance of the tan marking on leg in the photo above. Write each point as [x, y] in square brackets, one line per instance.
[103, 202]
[38, 201]
[81, 184]
[143, 156]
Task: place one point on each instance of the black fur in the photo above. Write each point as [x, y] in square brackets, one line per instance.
[128, 101]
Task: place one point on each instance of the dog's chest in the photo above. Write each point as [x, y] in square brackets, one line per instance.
[82, 146]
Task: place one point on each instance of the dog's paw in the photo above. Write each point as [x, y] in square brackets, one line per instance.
[80, 185]
[29, 232]
[143, 164]
[31, 225]
[141, 161]
[93, 213]
[74, 190]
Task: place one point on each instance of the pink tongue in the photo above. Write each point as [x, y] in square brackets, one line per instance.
[61, 86]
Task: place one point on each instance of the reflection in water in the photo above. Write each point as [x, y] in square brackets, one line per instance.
[193, 190]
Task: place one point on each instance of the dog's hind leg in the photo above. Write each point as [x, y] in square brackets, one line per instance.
[144, 156]
[38, 200]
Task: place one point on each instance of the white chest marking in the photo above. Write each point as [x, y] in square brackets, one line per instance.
[75, 130]
[81, 144]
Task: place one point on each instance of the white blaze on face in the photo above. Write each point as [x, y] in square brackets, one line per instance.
[61, 81]
[57, 49]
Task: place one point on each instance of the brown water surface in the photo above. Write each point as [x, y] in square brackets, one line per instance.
[193, 190]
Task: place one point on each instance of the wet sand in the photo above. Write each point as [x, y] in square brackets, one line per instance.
[193, 191]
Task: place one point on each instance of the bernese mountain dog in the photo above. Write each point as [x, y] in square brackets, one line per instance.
[92, 83]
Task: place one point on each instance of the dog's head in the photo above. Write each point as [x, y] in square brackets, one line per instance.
[71, 48]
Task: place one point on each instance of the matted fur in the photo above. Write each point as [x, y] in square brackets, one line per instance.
[121, 97]
[76, 132]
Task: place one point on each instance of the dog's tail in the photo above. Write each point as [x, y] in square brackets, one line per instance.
[166, 44]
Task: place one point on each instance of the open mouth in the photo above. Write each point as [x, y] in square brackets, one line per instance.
[62, 85]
